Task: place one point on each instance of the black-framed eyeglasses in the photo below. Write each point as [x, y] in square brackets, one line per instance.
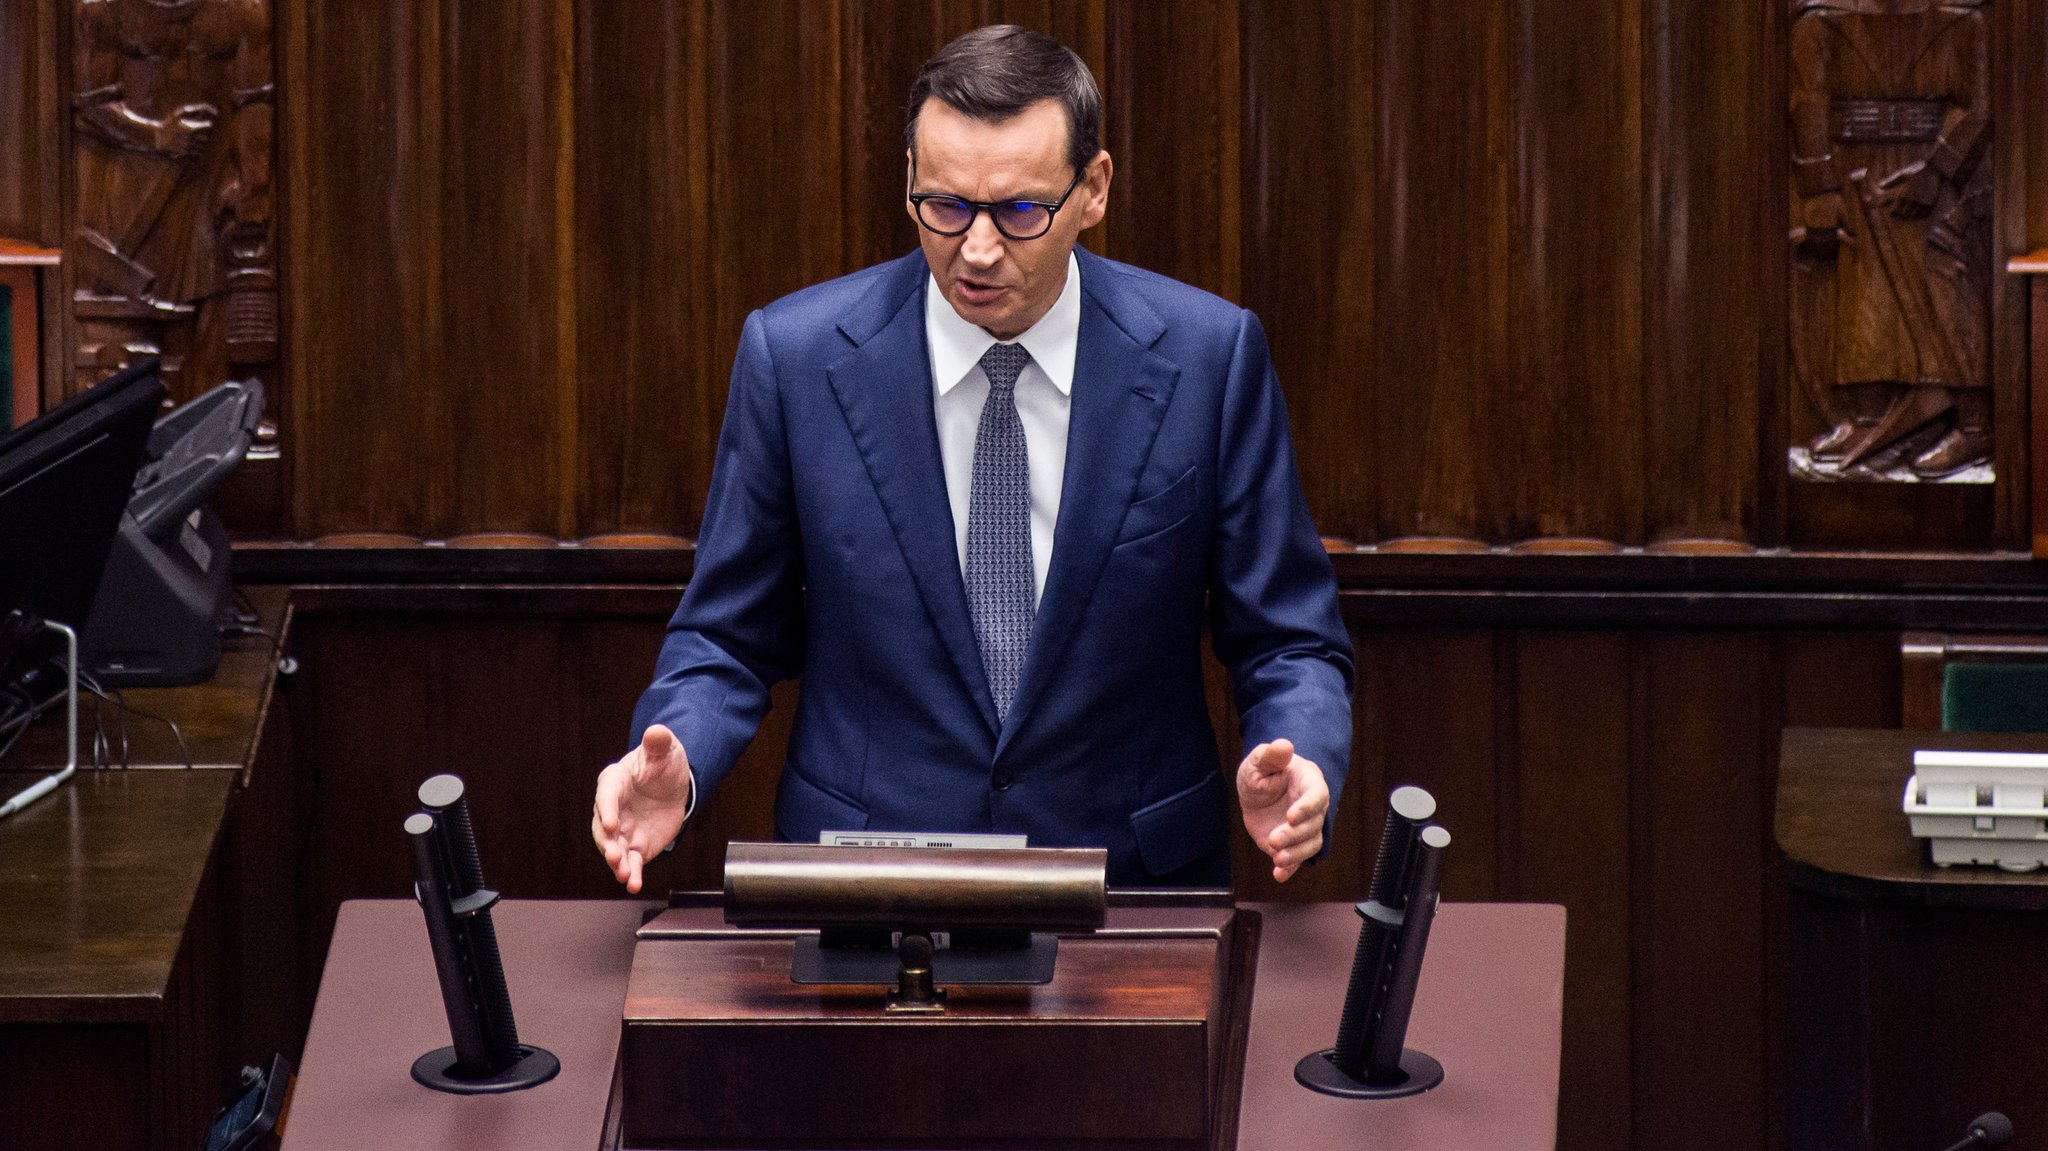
[951, 215]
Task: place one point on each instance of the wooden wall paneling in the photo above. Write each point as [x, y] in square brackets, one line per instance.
[1573, 283]
[1434, 718]
[1774, 419]
[510, 716]
[367, 431]
[2023, 32]
[1171, 116]
[1830, 679]
[527, 703]
[1308, 219]
[193, 1062]
[885, 44]
[1441, 224]
[648, 375]
[1927, 968]
[1697, 882]
[1573, 726]
[1574, 273]
[501, 335]
[775, 92]
[431, 265]
[2037, 415]
[1827, 940]
[2016, 71]
[1842, 679]
[375, 727]
[30, 208]
[512, 730]
[263, 859]
[1920, 517]
[1707, 161]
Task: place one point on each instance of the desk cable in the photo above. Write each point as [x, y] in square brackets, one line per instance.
[49, 783]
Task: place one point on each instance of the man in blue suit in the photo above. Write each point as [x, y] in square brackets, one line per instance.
[983, 499]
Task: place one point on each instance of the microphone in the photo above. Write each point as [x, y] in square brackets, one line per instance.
[1991, 1129]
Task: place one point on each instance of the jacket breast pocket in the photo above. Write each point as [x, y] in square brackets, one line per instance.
[1163, 509]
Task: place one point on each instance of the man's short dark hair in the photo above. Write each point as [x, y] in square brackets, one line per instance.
[994, 73]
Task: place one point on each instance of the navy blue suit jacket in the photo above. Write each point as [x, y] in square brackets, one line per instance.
[828, 552]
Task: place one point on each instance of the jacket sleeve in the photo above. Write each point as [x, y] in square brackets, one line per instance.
[739, 629]
[1273, 596]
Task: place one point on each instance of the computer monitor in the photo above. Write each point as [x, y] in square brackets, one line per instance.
[65, 478]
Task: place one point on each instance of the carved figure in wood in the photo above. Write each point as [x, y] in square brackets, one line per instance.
[174, 117]
[1891, 128]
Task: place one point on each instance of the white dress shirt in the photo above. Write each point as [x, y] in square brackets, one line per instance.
[1045, 404]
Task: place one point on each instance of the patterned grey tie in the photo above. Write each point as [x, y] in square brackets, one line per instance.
[999, 576]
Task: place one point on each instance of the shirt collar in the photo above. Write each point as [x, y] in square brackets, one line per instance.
[957, 345]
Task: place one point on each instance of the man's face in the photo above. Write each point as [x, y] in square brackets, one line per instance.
[1001, 284]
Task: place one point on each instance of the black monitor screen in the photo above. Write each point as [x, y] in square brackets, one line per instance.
[65, 479]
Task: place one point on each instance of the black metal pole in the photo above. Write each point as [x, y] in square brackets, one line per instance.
[443, 796]
[472, 1052]
[1383, 1061]
[1381, 918]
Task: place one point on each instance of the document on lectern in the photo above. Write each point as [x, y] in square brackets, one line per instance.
[969, 839]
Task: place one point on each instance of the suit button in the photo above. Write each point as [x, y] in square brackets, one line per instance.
[1002, 780]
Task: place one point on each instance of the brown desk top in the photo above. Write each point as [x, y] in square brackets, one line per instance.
[221, 718]
[96, 882]
[1490, 1007]
[566, 965]
[1842, 832]
[97, 879]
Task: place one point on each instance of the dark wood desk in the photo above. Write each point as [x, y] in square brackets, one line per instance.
[1912, 997]
[220, 719]
[117, 946]
[1490, 1008]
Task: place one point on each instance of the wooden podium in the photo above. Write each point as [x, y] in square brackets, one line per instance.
[1136, 1041]
[1490, 1008]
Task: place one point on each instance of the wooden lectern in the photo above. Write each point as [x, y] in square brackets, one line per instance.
[1139, 1039]
[1489, 1008]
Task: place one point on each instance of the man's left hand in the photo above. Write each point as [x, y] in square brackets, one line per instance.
[1284, 797]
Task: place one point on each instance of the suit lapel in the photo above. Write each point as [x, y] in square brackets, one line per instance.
[1120, 394]
[884, 388]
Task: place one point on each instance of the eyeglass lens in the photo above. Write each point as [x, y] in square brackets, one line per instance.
[1017, 219]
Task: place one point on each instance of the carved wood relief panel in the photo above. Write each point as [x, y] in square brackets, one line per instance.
[1891, 127]
[172, 112]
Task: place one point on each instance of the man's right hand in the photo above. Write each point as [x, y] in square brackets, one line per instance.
[640, 804]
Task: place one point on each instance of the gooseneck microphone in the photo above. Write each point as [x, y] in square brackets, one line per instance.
[1991, 1129]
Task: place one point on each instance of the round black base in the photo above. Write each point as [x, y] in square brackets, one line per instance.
[436, 1069]
[1419, 1073]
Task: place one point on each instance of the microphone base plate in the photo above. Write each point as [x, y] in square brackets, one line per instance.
[1318, 1072]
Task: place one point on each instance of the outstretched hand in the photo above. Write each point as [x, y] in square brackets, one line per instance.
[1284, 797]
[640, 804]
